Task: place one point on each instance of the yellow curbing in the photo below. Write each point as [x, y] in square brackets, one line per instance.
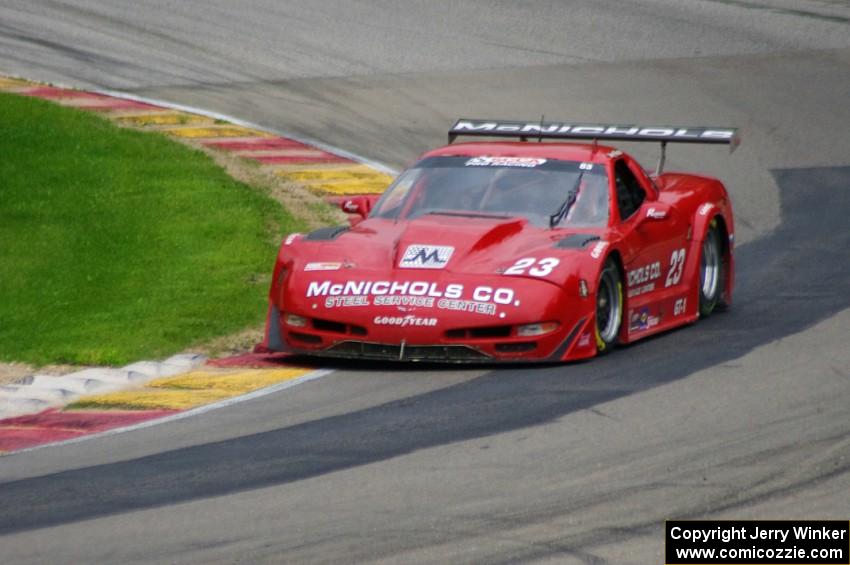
[351, 187]
[150, 400]
[289, 168]
[12, 83]
[334, 175]
[162, 119]
[189, 390]
[216, 131]
[358, 179]
[242, 381]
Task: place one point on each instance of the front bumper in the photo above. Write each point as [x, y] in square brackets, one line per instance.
[428, 317]
[339, 341]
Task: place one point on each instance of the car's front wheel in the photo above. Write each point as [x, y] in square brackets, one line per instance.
[609, 307]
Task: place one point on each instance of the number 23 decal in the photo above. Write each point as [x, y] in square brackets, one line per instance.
[542, 267]
[677, 263]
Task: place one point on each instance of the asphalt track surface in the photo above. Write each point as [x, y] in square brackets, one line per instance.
[744, 415]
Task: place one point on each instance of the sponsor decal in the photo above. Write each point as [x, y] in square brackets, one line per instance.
[498, 295]
[615, 153]
[322, 266]
[291, 238]
[679, 306]
[540, 268]
[419, 256]
[350, 206]
[411, 301]
[656, 214]
[723, 135]
[467, 306]
[638, 290]
[584, 339]
[524, 162]
[404, 321]
[385, 288]
[642, 320]
[677, 263]
[480, 299]
[346, 301]
[705, 208]
[598, 249]
[644, 274]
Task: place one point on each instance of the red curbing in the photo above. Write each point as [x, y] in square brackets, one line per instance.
[296, 159]
[258, 360]
[87, 100]
[115, 104]
[13, 439]
[257, 144]
[54, 425]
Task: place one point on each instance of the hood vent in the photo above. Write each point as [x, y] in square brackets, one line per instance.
[576, 241]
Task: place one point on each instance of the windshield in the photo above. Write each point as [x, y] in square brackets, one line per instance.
[530, 187]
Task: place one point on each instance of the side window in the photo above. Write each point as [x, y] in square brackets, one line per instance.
[630, 195]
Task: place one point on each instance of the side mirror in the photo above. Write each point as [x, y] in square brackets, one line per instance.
[358, 206]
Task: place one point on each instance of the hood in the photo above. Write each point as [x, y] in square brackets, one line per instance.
[452, 244]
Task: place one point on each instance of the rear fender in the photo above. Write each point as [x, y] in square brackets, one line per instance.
[707, 216]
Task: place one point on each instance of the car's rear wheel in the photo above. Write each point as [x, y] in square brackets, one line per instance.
[609, 307]
[710, 271]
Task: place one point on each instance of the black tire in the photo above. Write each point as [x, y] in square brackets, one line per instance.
[609, 307]
[711, 271]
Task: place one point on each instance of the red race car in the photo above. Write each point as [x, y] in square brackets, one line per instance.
[511, 251]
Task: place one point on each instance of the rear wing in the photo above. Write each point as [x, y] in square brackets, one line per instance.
[614, 132]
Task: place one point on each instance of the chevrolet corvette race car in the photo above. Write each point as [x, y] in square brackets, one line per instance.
[519, 250]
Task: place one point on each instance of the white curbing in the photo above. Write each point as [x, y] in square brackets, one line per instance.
[74, 384]
[23, 406]
[39, 392]
[35, 393]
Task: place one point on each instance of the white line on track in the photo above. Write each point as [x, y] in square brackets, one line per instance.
[311, 376]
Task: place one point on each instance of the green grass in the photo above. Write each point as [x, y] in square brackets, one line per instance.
[119, 245]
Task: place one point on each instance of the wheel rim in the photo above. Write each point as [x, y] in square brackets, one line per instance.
[710, 266]
[607, 308]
